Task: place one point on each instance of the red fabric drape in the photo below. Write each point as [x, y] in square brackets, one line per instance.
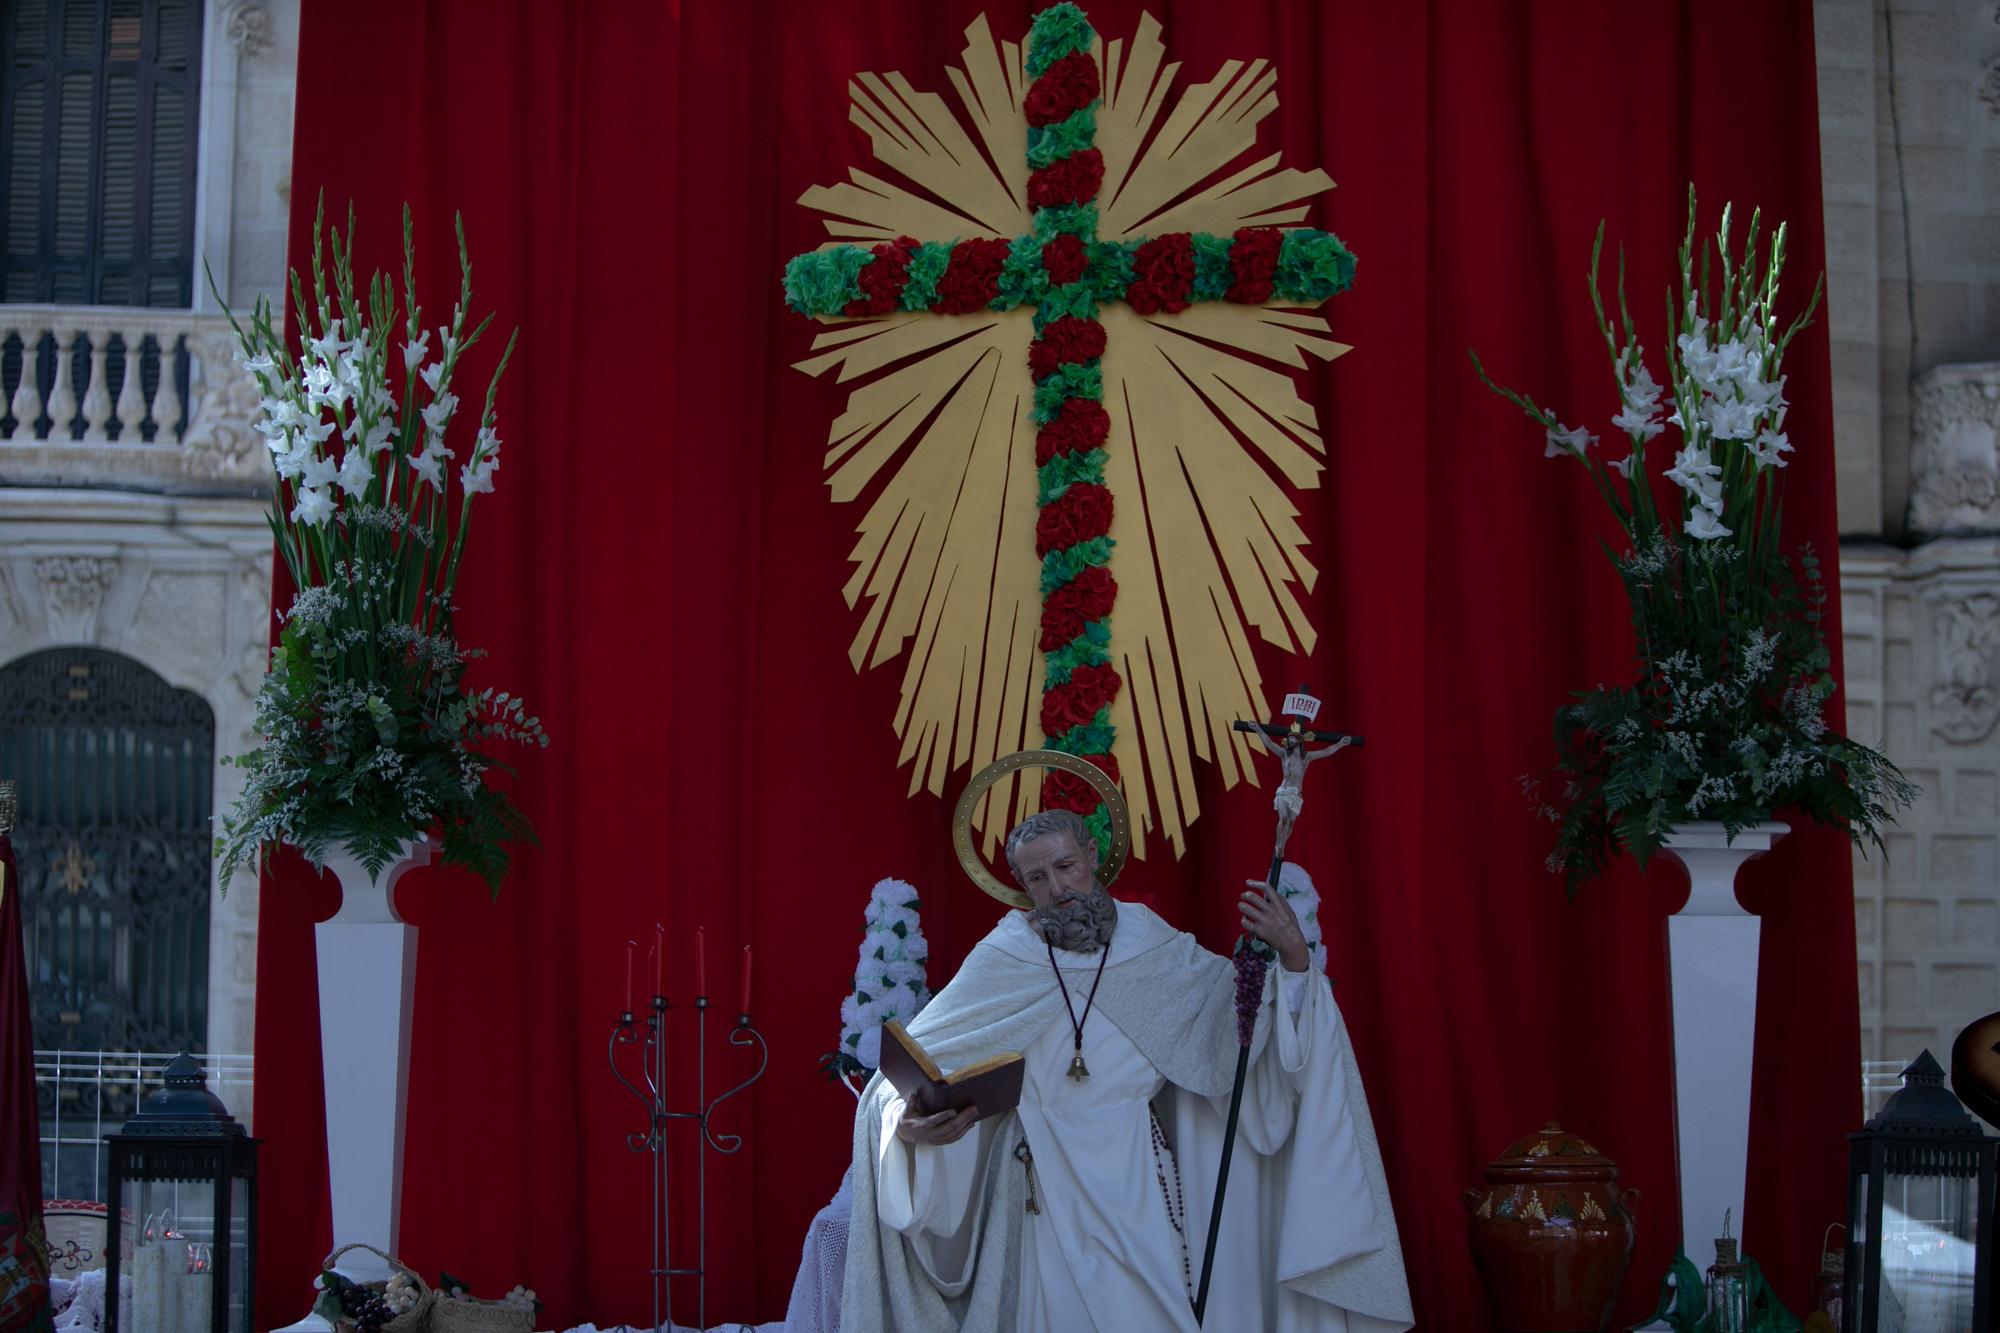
[659, 573]
[24, 1257]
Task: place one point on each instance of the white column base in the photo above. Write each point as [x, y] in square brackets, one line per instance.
[1712, 946]
[367, 982]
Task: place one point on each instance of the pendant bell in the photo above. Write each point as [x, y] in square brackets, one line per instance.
[1077, 1069]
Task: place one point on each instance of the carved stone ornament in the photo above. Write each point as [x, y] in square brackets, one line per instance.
[248, 28]
[1989, 87]
[221, 443]
[74, 586]
[1955, 451]
[1964, 704]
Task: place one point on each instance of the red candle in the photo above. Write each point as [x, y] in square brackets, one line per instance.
[700, 960]
[744, 1006]
[630, 945]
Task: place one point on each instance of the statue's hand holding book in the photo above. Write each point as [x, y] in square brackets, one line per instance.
[987, 1088]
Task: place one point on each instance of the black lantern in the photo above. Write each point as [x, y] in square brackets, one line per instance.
[1920, 1214]
[184, 1176]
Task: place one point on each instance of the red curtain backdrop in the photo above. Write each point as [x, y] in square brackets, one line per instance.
[24, 1257]
[660, 570]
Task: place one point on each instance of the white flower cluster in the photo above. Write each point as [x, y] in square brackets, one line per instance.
[1297, 886]
[339, 387]
[1724, 393]
[890, 980]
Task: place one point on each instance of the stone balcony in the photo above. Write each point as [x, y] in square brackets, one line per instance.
[145, 399]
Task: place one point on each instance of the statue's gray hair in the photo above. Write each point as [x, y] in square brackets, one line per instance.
[1041, 824]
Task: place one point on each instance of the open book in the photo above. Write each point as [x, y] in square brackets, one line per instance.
[992, 1086]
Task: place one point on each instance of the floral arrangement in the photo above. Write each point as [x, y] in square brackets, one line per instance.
[1066, 273]
[889, 981]
[368, 734]
[1725, 719]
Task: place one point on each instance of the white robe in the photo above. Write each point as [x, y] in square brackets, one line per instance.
[1102, 1251]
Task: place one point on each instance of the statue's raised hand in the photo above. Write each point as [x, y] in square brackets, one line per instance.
[1268, 917]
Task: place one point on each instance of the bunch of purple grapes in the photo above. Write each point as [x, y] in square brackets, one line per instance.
[366, 1307]
[1250, 967]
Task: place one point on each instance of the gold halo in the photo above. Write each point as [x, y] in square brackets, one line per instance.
[1100, 782]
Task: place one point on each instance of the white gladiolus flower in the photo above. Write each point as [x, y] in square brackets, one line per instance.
[413, 352]
[317, 472]
[260, 364]
[1728, 418]
[314, 507]
[432, 375]
[1573, 442]
[355, 472]
[329, 345]
[1697, 357]
[477, 476]
[352, 370]
[1639, 390]
[1694, 472]
[1623, 466]
[292, 459]
[1705, 526]
[1764, 397]
[430, 464]
[447, 345]
[1738, 363]
[1770, 447]
[378, 436]
[438, 413]
[1639, 421]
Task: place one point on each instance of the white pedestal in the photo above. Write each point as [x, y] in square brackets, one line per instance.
[367, 982]
[1712, 948]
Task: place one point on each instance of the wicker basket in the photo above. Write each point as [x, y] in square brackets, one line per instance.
[475, 1316]
[413, 1320]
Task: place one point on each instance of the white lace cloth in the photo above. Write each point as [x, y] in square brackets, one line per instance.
[815, 1306]
[80, 1304]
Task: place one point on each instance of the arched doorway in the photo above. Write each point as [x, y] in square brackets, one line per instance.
[116, 773]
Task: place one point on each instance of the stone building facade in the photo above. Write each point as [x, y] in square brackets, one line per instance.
[1910, 148]
[157, 550]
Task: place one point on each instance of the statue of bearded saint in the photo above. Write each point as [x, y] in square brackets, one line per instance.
[1084, 1207]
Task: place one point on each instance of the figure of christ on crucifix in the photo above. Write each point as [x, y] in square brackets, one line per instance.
[1085, 1207]
[1293, 760]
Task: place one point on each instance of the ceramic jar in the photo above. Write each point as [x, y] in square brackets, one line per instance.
[1552, 1233]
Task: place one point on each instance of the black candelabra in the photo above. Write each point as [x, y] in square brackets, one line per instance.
[649, 1035]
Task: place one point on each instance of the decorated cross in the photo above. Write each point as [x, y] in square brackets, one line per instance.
[1065, 273]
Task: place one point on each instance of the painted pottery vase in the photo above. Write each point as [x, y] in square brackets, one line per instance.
[1552, 1233]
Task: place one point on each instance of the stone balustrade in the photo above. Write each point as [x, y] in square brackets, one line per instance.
[141, 398]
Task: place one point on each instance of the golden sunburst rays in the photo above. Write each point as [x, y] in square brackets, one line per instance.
[1209, 434]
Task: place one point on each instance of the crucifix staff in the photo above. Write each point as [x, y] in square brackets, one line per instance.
[1289, 744]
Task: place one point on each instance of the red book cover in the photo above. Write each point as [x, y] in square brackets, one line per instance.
[24, 1251]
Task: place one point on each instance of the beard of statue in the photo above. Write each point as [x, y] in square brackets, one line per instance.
[1082, 924]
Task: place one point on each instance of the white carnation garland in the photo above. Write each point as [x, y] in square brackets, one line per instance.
[889, 981]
